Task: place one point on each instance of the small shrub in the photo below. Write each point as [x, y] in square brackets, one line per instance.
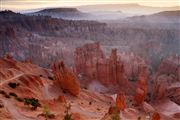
[51, 78]
[33, 102]
[47, 114]
[13, 85]
[139, 118]
[115, 116]
[90, 103]
[46, 111]
[7, 96]
[68, 115]
[1, 105]
[12, 94]
[2, 92]
[132, 79]
[114, 112]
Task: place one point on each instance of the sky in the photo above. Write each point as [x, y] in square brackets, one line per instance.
[19, 5]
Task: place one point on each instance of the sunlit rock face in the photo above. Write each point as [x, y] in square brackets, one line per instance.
[142, 86]
[91, 64]
[166, 81]
[121, 101]
[66, 79]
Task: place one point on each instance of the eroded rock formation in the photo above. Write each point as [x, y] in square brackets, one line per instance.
[66, 78]
[142, 87]
[91, 64]
[121, 101]
[166, 81]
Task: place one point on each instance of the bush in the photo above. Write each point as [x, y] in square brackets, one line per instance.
[12, 94]
[51, 78]
[68, 115]
[139, 118]
[46, 111]
[2, 92]
[13, 85]
[7, 96]
[47, 114]
[1, 105]
[33, 102]
[114, 112]
[115, 117]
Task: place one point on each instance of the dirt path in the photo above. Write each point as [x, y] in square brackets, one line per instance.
[14, 112]
[6, 81]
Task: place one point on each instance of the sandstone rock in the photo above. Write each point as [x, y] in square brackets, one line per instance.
[66, 78]
[113, 110]
[86, 58]
[76, 116]
[139, 96]
[147, 107]
[176, 115]
[132, 65]
[61, 99]
[121, 101]
[156, 116]
[91, 64]
[8, 64]
[166, 81]
[142, 87]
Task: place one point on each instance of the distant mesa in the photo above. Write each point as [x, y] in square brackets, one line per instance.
[168, 13]
[161, 17]
[7, 12]
[64, 13]
[55, 10]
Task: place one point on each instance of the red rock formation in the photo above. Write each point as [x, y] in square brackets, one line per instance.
[28, 86]
[132, 65]
[61, 99]
[27, 68]
[66, 79]
[121, 101]
[142, 87]
[166, 81]
[86, 58]
[91, 64]
[156, 116]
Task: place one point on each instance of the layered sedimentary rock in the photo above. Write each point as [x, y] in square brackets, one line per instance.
[91, 64]
[9, 67]
[121, 101]
[142, 87]
[132, 65]
[66, 78]
[156, 116]
[166, 81]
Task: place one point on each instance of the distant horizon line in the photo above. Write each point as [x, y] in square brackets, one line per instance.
[90, 5]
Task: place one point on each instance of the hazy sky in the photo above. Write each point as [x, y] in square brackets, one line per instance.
[32, 4]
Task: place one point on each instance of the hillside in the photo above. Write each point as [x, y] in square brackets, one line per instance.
[64, 13]
[30, 92]
[52, 38]
[161, 17]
